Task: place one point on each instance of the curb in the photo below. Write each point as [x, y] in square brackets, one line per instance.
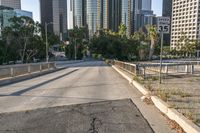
[141, 88]
[187, 125]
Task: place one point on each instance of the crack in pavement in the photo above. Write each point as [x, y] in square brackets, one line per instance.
[94, 125]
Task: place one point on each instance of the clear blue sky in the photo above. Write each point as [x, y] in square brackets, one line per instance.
[33, 6]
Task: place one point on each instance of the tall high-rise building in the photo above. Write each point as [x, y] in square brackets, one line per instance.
[143, 14]
[16, 4]
[185, 20]
[109, 14]
[46, 13]
[114, 14]
[167, 12]
[91, 16]
[55, 12]
[167, 8]
[70, 14]
[127, 15]
[79, 13]
[146, 4]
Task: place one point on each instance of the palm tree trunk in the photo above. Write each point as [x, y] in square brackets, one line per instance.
[152, 48]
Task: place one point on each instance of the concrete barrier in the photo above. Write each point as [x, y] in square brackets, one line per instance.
[9, 71]
[17, 74]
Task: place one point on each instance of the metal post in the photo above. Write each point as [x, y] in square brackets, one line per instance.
[75, 52]
[47, 51]
[161, 53]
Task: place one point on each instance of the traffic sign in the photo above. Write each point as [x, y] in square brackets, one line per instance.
[163, 25]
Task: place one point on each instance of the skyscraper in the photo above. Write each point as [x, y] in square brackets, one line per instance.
[146, 4]
[127, 15]
[70, 13]
[46, 13]
[114, 14]
[185, 20]
[143, 14]
[167, 8]
[79, 13]
[91, 16]
[167, 12]
[16, 4]
[54, 11]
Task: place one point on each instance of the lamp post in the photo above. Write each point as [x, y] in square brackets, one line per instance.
[47, 46]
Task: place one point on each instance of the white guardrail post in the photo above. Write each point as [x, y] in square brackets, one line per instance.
[11, 71]
[29, 68]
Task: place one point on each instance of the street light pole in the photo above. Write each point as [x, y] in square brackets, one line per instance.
[47, 51]
[47, 45]
[161, 54]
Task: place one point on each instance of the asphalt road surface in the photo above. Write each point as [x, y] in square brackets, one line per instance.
[83, 82]
[103, 117]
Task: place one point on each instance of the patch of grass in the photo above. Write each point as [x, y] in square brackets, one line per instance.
[180, 93]
[163, 95]
[191, 80]
[197, 121]
[172, 105]
[155, 78]
[149, 86]
[189, 115]
[138, 79]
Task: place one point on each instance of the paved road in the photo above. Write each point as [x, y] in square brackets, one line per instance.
[80, 83]
[120, 116]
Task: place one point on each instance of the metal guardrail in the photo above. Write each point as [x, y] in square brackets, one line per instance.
[152, 69]
[10, 71]
[131, 68]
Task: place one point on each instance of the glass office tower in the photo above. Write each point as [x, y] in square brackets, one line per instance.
[167, 12]
[167, 8]
[91, 16]
[79, 12]
[54, 11]
[114, 14]
[127, 16]
[16, 4]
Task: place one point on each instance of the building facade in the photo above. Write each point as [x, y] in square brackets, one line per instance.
[127, 15]
[55, 12]
[70, 14]
[6, 13]
[167, 8]
[91, 16]
[143, 14]
[46, 13]
[115, 7]
[167, 12]
[16, 4]
[185, 20]
[20, 13]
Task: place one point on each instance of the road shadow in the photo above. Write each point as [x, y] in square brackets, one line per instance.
[18, 93]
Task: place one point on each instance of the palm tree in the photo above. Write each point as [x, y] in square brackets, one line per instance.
[152, 31]
[122, 30]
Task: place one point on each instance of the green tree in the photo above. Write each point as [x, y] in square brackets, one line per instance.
[78, 38]
[23, 40]
[187, 46]
[122, 30]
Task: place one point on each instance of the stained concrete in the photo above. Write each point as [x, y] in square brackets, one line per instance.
[119, 116]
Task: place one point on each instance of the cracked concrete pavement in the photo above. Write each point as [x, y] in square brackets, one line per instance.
[120, 116]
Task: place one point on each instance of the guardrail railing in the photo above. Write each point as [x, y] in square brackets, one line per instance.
[131, 68]
[152, 69]
[10, 71]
